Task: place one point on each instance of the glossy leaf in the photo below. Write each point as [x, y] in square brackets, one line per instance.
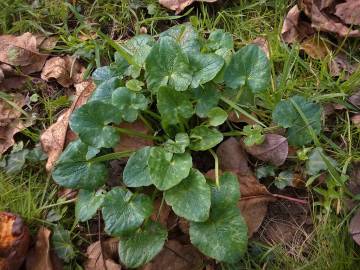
[104, 91]
[73, 170]
[217, 116]
[248, 67]
[191, 198]
[129, 103]
[203, 138]
[123, 212]
[136, 172]
[91, 121]
[142, 246]
[87, 203]
[167, 65]
[168, 169]
[286, 115]
[254, 135]
[173, 106]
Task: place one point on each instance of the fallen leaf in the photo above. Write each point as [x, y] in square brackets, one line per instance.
[40, 257]
[176, 256]
[294, 28]
[54, 138]
[349, 12]
[315, 47]
[354, 99]
[232, 157]
[274, 149]
[180, 5]
[128, 142]
[102, 255]
[240, 118]
[325, 21]
[355, 119]
[263, 44]
[340, 64]
[164, 213]
[66, 70]
[354, 227]
[14, 241]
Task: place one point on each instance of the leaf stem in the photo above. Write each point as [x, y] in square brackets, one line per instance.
[112, 156]
[279, 196]
[57, 204]
[216, 159]
[138, 134]
[239, 109]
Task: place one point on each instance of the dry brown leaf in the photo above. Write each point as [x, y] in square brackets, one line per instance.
[355, 119]
[102, 255]
[128, 142]
[274, 149]
[176, 256]
[41, 257]
[14, 241]
[180, 5]
[340, 64]
[263, 44]
[164, 213]
[349, 12]
[66, 70]
[232, 157]
[294, 28]
[354, 99]
[240, 118]
[54, 138]
[354, 227]
[324, 21]
[315, 47]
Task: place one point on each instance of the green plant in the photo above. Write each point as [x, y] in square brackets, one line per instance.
[182, 85]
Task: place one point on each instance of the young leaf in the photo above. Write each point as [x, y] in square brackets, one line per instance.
[61, 243]
[253, 135]
[284, 179]
[104, 91]
[129, 103]
[91, 123]
[286, 115]
[134, 85]
[224, 235]
[217, 116]
[203, 138]
[124, 212]
[316, 163]
[142, 246]
[207, 97]
[87, 203]
[219, 39]
[106, 73]
[265, 171]
[136, 172]
[73, 170]
[179, 145]
[167, 64]
[173, 106]
[168, 169]
[204, 67]
[191, 198]
[248, 67]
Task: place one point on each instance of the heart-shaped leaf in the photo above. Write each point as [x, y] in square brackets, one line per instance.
[224, 235]
[173, 106]
[217, 116]
[73, 170]
[248, 67]
[168, 169]
[203, 138]
[167, 64]
[207, 97]
[104, 91]
[129, 103]
[287, 115]
[140, 46]
[142, 246]
[179, 145]
[191, 198]
[204, 67]
[87, 203]
[136, 172]
[219, 39]
[91, 123]
[124, 212]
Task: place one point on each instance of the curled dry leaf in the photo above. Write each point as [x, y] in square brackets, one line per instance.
[349, 12]
[102, 255]
[180, 5]
[14, 241]
[274, 149]
[66, 70]
[54, 138]
[40, 257]
[340, 64]
[128, 142]
[176, 256]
